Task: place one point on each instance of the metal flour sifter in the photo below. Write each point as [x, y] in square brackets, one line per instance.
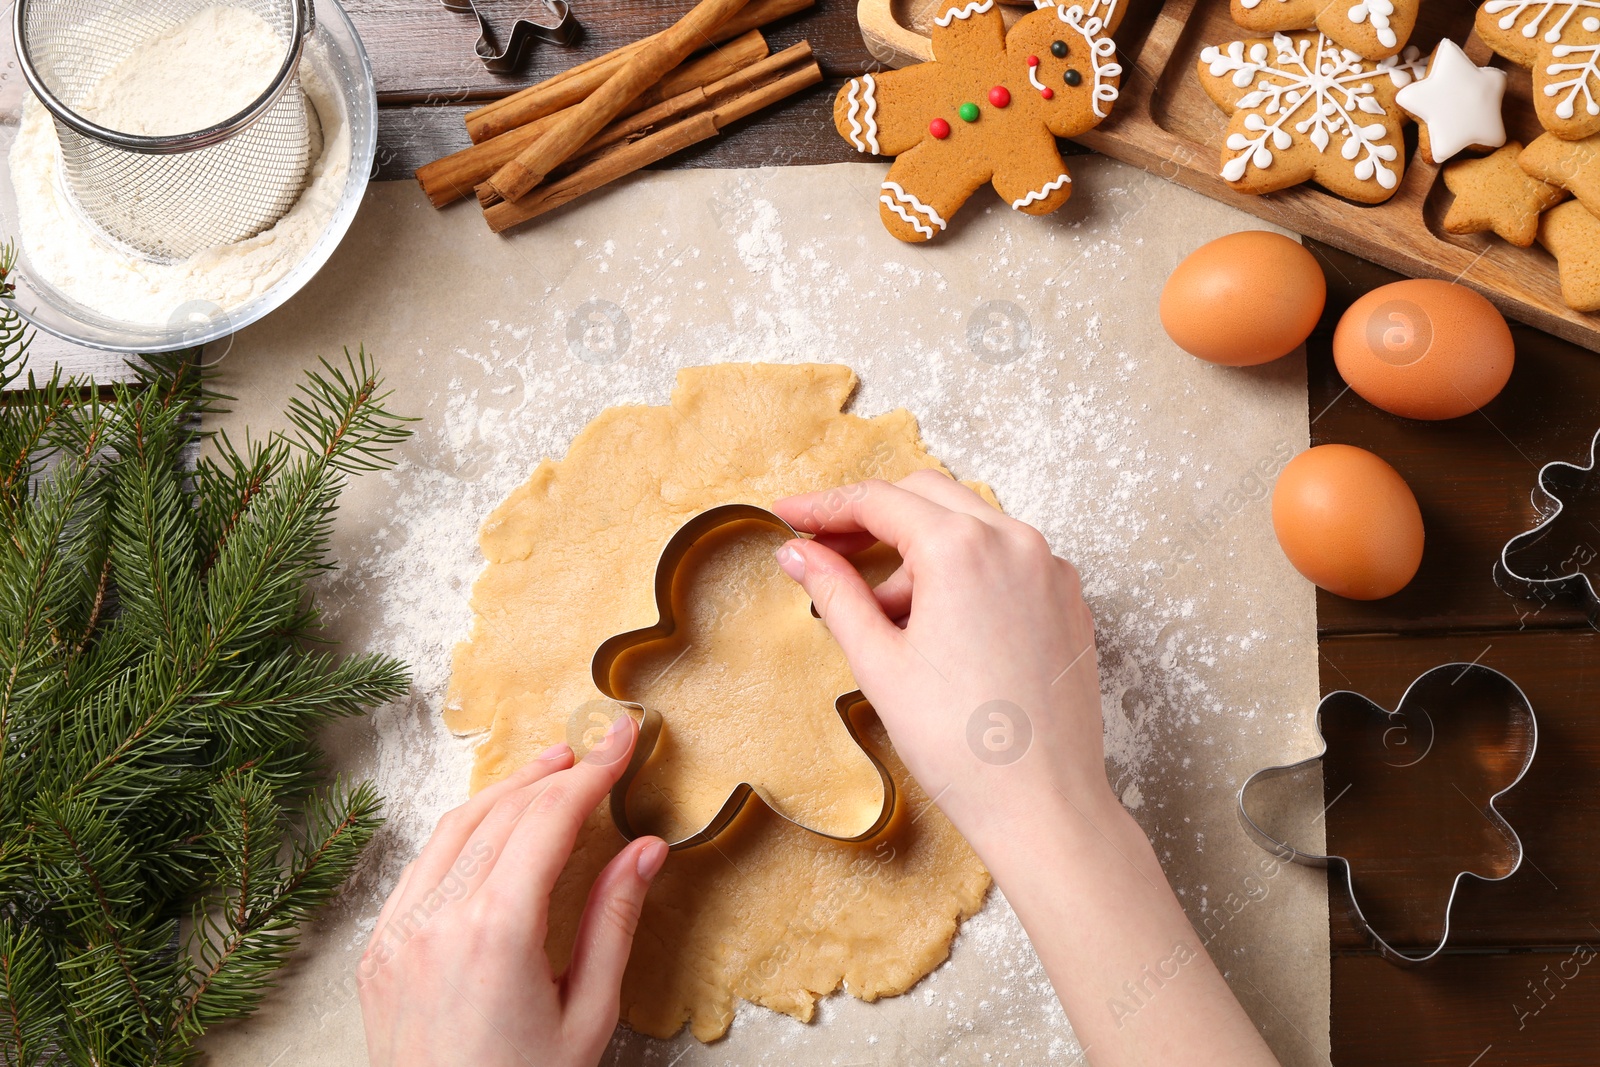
[167, 197]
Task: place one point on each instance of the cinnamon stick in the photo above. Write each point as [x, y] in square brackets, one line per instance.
[572, 86]
[627, 156]
[453, 177]
[708, 96]
[638, 72]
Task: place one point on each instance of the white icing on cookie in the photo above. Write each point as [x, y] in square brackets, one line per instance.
[894, 196]
[1459, 102]
[1377, 13]
[976, 7]
[1319, 96]
[1580, 76]
[1033, 78]
[863, 134]
[1091, 27]
[1040, 193]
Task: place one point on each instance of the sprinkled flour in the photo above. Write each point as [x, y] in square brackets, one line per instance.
[1095, 430]
[234, 54]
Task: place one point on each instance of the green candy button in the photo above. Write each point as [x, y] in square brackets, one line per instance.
[968, 112]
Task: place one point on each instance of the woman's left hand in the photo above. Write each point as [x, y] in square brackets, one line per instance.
[456, 970]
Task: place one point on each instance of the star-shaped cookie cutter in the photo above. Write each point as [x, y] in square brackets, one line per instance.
[1558, 483]
[651, 723]
[561, 29]
[1480, 681]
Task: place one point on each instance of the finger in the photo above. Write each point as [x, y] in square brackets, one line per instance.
[843, 599]
[847, 544]
[605, 933]
[443, 849]
[942, 489]
[894, 594]
[888, 512]
[392, 904]
[540, 843]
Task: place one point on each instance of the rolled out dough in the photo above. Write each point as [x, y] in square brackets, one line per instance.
[770, 913]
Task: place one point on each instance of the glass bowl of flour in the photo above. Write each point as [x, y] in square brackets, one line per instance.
[73, 282]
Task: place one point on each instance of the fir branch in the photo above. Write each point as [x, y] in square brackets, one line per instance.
[29, 1017]
[158, 706]
[239, 952]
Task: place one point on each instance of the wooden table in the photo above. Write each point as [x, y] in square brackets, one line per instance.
[1517, 986]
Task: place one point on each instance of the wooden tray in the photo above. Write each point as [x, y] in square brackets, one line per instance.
[1165, 123]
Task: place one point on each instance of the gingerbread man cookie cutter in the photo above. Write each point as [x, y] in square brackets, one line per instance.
[651, 724]
[1465, 712]
[1559, 483]
[559, 28]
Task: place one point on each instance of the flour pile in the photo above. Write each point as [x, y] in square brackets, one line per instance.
[192, 76]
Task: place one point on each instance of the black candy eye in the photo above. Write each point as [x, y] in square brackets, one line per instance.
[1072, 77]
[1058, 49]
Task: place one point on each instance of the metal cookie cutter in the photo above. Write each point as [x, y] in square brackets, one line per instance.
[1528, 566]
[561, 28]
[1460, 732]
[651, 723]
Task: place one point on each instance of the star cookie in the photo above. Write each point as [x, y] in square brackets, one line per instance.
[1373, 29]
[1572, 165]
[1305, 109]
[1457, 104]
[1495, 194]
[987, 109]
[1573, 236]
[1559, 41]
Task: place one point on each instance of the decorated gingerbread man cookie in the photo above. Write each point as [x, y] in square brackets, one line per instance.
[1305, 109]
[1559, 41]
[988, 108]
[1373, 29]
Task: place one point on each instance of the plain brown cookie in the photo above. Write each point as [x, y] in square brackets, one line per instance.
[1573, 236]
[1572, 165]
[1305, 109]
[1375, 29]
[1494, 193]
[987, 109]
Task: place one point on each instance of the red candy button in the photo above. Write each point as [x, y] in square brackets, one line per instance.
[939, 128]
[1048, 93]
[1033, 61]
[999, 96]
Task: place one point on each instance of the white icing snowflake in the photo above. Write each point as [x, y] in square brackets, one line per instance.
[1314, 89]
[1377, 12]
[1550, 20]
[1510, 11]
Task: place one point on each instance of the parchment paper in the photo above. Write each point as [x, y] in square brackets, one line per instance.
[1030, 350]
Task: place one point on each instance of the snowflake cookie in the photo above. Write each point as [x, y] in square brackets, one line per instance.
[1374, 29]
[1305, 109]
[1559, 41]
[987, 109]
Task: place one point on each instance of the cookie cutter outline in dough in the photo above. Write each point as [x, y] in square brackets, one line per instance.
[523, 33]
[1558, 481]
[650, 722]
[1473, 674]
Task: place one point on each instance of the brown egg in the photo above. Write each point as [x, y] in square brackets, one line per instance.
[1244, 299]
[1348, 521]
[1424, 349]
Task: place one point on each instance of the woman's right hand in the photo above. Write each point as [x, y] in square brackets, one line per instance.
[978, 652]
[978, 655]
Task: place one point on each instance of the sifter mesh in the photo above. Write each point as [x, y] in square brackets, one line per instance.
[167, 197]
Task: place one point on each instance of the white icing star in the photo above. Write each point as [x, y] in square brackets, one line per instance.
[1458, 101]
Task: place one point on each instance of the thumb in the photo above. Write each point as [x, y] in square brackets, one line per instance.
[605, 933]
[843, 599]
